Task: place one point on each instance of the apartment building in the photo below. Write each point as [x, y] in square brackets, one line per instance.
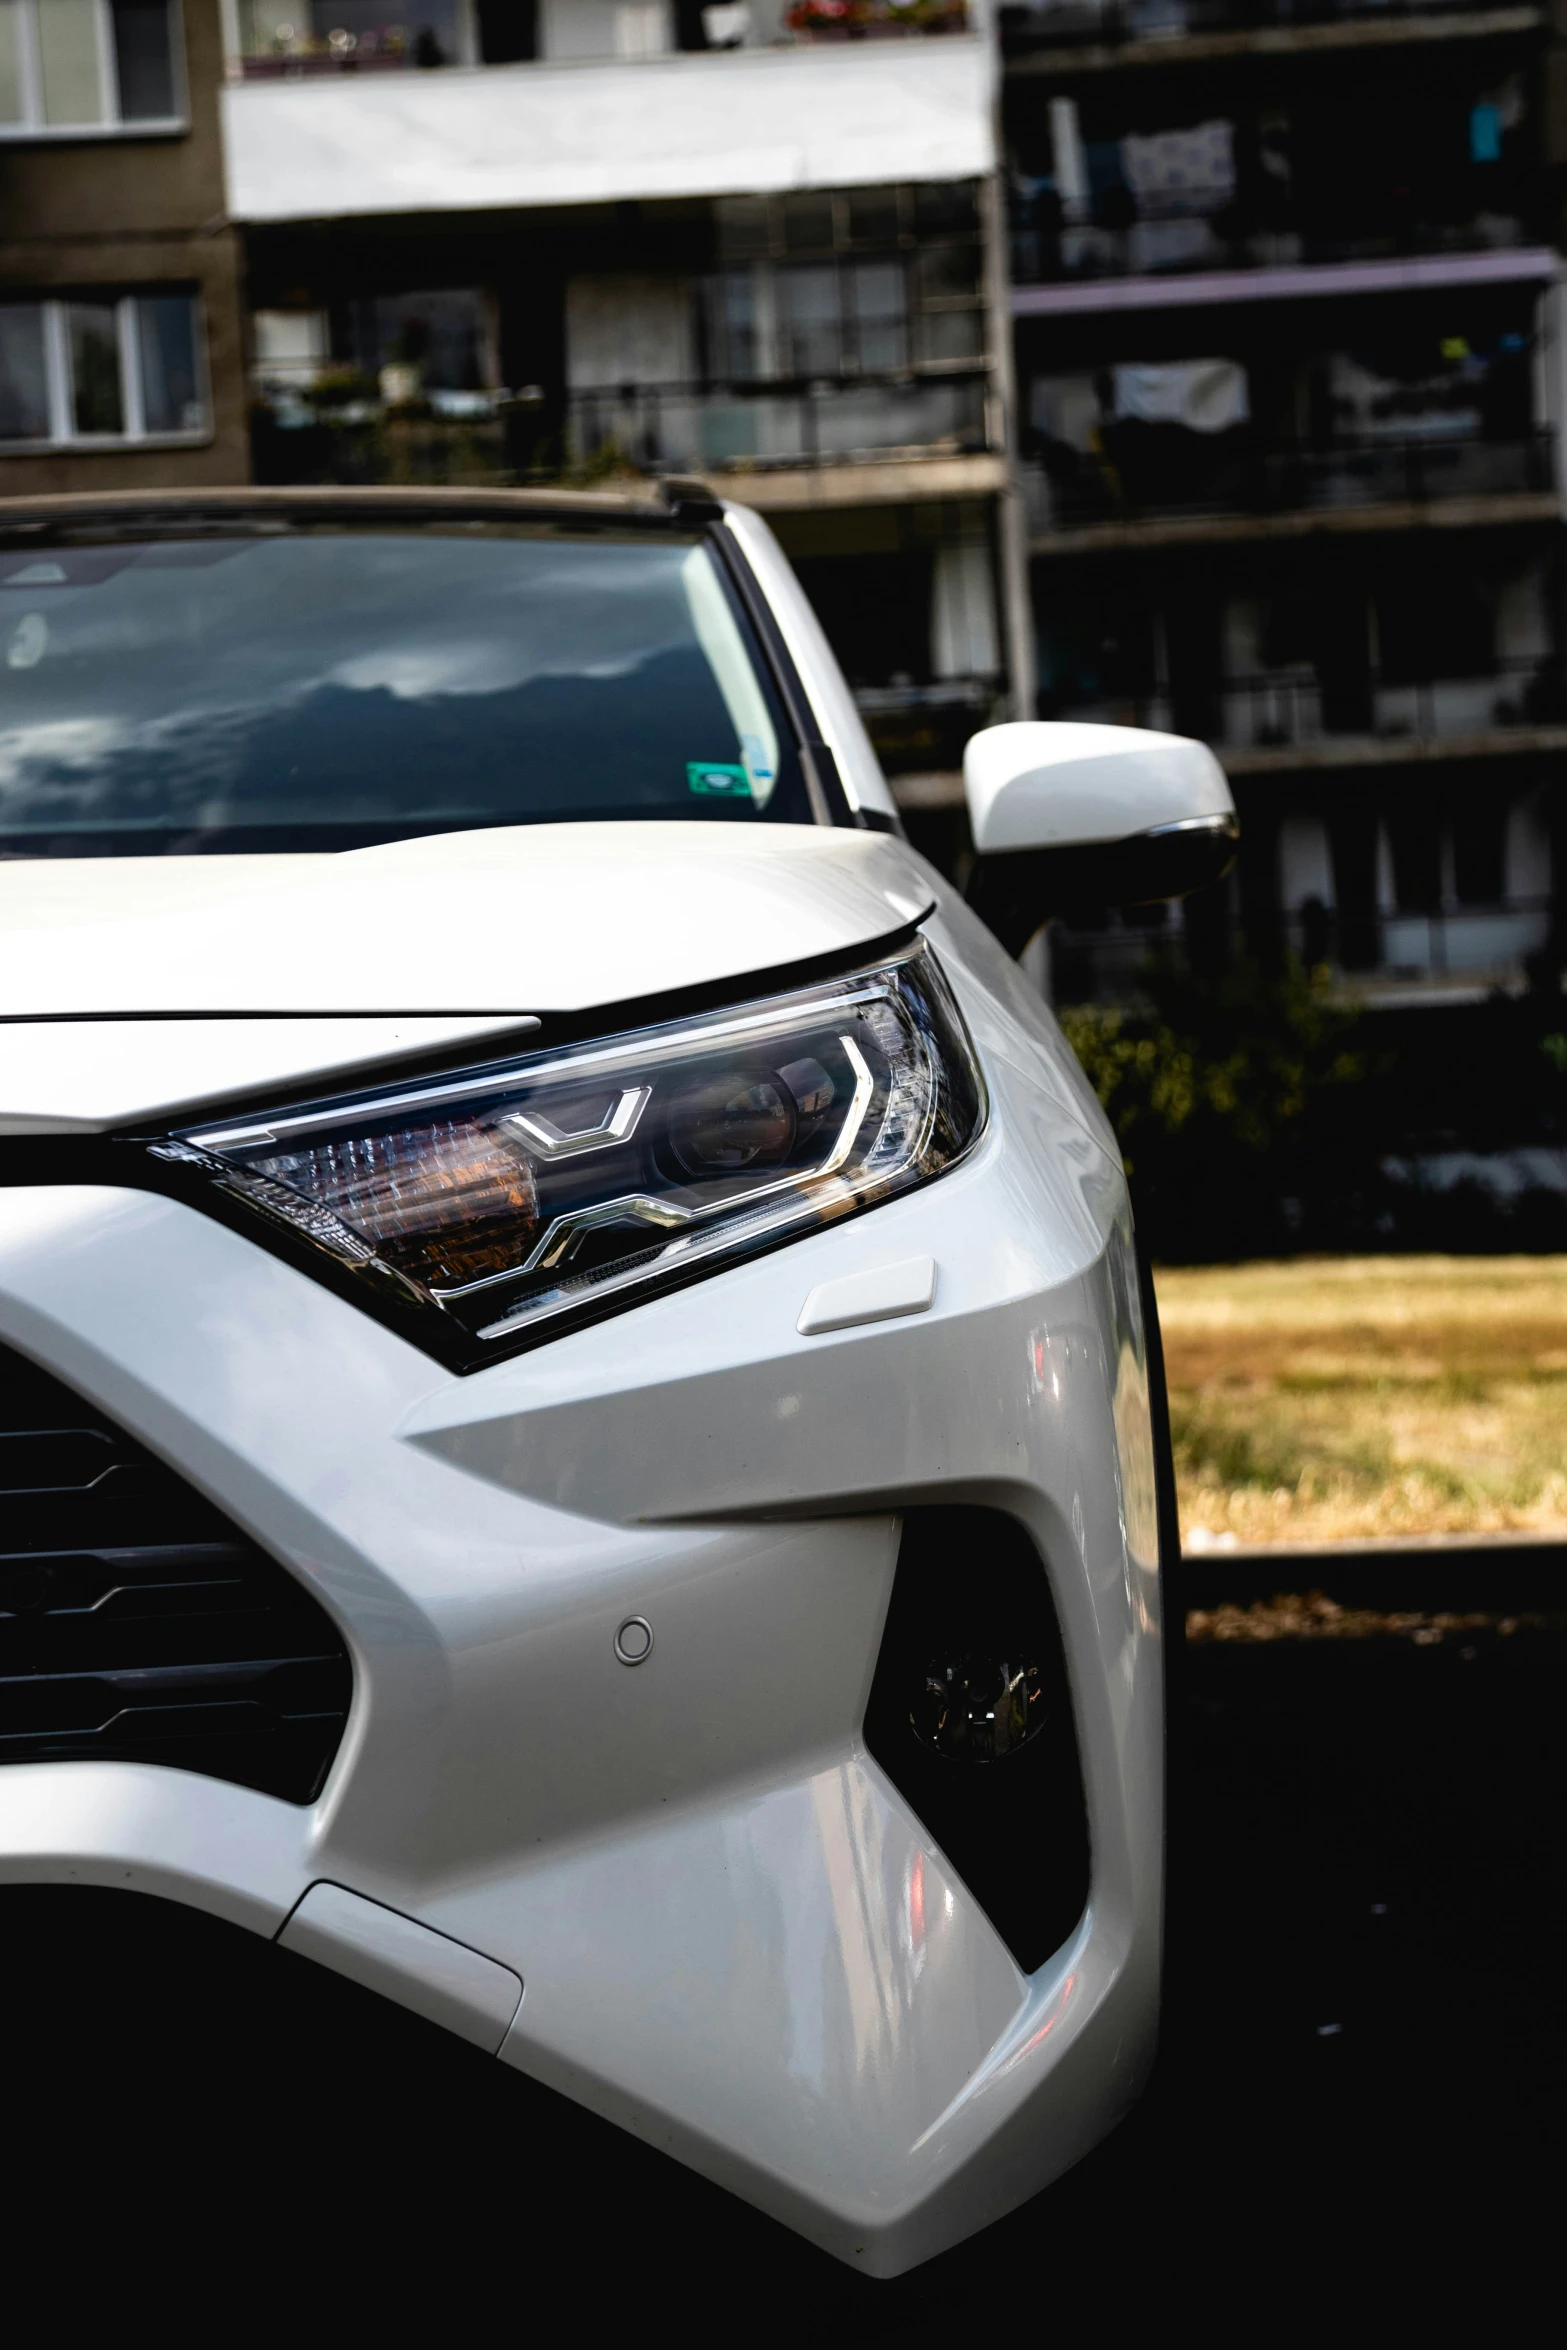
[755, 242]
[1227, 393]
[121, 329]
[1290, 361]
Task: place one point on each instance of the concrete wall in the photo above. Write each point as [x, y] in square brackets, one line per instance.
[135, 211]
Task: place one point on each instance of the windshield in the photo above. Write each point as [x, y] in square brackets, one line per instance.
[280, 687]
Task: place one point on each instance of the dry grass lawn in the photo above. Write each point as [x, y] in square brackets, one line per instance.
[1331, 1398]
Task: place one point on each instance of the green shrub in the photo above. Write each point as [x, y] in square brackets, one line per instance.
[1233, 1096]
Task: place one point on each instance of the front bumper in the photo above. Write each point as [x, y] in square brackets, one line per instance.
[735, 1936]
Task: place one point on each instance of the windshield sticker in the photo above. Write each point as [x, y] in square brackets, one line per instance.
[761, 773]
[713, 781]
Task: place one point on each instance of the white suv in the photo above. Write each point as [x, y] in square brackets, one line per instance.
[576, 1412]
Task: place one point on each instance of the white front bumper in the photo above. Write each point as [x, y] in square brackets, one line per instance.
[735, 1937]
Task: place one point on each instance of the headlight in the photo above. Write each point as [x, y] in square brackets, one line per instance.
[516, 1200]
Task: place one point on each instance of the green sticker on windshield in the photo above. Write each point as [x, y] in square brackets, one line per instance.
[713, 781]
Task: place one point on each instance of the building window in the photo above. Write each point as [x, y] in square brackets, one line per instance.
[74, 66]
[101, 369]
[893, 282]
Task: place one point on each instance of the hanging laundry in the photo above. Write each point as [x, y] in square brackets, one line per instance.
[1205, 395]
[1426, 403]
[1173, 172]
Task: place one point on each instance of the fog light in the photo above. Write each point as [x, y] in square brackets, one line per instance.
[979, 1708]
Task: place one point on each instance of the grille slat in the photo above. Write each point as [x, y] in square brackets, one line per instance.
[137, 1623]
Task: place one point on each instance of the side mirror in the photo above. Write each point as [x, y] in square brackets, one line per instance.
[1068, 816]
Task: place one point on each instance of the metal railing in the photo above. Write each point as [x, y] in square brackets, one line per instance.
[361, 444]
[314, 432]
[1282, 709]
[1138, 476]
[1224, 234]
[1446, 941]
[1473, 945]
[295, 52]
[1296, 705]
[1058, 24]
[680, 428]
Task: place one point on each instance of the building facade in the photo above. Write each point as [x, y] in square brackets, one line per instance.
[586, 238]
[1194, 363]
[121, 321]
[1290, 357]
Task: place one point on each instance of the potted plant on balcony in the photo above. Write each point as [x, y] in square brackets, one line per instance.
[874, 20]
[824, 20]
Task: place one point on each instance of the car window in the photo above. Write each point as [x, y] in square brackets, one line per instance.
[295, 688]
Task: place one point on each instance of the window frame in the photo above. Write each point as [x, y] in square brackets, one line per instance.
[33, 129]
[764, 254]
[59, 385]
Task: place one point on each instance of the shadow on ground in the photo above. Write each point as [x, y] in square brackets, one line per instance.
[1362, 2090]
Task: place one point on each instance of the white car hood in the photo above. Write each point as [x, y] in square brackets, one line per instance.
[134, 985]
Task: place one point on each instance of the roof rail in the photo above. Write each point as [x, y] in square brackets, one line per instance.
[690, 499]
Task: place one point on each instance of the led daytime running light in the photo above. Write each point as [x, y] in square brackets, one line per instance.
[509, 1202]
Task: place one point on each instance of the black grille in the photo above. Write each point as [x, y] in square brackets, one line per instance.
[137, 1624]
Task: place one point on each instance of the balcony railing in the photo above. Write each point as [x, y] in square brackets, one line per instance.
[1136, 480]
[1282, 708]
[1421, 942]
[275, 45]
[315, 430]
[1477, 945]
[1200, 231]
[1302, 704]
[1059, 24]
[685, 428]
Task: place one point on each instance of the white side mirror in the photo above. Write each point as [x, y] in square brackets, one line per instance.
[1040, 786]
[1067, 817]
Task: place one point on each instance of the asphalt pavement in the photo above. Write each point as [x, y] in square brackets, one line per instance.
[1360, 2094]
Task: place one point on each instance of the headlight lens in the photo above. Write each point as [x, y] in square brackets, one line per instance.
[514, 1201]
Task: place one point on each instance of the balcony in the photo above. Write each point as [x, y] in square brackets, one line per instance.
[1387, 954]
[1304, 714]
[341, 144]
[457, 443]
[1207, 233]
[1343, 176]
[333, 426]
[759, 428]
[1428, 943]
[1300, 705]
[1129, 485]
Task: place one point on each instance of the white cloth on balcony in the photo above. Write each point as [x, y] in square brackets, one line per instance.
[1206, 395]
[1173, 172]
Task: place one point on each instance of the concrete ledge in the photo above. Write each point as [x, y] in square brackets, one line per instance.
[891, 481]
[1197, 530]
[1395, 273]
[1394, 750]
[938, 788]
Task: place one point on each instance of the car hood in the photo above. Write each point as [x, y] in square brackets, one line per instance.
[131, 985]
